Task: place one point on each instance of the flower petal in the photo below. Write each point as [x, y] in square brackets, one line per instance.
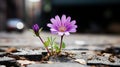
[67, 22]
[63, 19]
[73, 22]
[49, 25]
[54, 32]
[57, 18]
[74, 26]
[53, 29]
[72, 30]
[67, 33]
[53, 20]
[60, 33]
[35, 28]
[68, 19]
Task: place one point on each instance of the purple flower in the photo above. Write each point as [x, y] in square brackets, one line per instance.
[62, 26]
[36, 29]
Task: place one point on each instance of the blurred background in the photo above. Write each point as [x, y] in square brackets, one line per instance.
[98, 22]
[92, 16]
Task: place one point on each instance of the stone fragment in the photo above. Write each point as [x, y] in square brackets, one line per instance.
[111, 59]
[81, 61]
[90, 57]
[10, 50]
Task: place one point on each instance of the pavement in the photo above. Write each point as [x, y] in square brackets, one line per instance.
[73, 41]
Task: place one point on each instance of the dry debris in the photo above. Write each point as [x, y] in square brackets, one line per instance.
[11, 49]
[25, 62]
[81, 61]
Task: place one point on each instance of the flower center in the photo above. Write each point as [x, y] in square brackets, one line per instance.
[62, 29]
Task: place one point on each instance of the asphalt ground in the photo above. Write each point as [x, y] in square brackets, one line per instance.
[73, 40]
[76, 41]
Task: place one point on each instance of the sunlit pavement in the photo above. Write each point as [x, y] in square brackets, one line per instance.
[73, 41]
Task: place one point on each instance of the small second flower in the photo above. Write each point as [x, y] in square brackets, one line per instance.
[36, 29]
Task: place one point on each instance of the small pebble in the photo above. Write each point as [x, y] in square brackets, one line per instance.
[111, 59]
[83, 52]
[90, 57]
[118, 56]
[81, 61]
[10, 50]
[50, 62]
[99, 53]
[106, 54]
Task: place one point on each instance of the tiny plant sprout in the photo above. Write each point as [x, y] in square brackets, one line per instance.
[62, 27]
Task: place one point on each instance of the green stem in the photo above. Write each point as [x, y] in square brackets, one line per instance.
[61, 42]
[52, 49]
[44, 43]
[51, 46]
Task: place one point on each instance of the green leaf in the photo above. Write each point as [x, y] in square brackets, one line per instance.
[48, 38]
[57, 50]
[40, 29]
[63, 45]
[34, 35]
[46, 43]
[52, 40]
[31, 30]
[55, 46]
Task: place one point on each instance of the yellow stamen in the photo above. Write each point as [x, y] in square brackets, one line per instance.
[62, 29]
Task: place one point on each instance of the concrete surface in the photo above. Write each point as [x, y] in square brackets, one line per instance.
[74, 40]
